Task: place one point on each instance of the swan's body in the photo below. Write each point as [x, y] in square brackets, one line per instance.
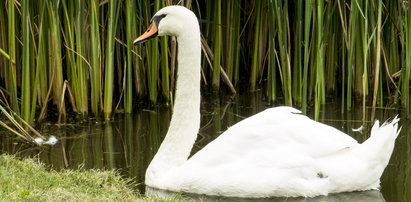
[278, 152]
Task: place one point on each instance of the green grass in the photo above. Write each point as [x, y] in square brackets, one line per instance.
[29, 180]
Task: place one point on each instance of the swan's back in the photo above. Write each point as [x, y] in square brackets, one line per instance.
[276, 130]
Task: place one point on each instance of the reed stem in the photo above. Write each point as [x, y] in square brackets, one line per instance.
[217, 47]
[114, 7]
[130, 33]
[95, 56]
[254, 63]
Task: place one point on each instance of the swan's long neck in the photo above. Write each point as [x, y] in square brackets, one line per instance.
[185, 122]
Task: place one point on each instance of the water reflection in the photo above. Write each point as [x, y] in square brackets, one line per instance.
[129, 142]
[364, 196]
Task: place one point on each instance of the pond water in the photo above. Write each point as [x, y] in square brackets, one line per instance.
[129, 141]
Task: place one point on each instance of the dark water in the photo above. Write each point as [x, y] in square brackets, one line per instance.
[128, 142]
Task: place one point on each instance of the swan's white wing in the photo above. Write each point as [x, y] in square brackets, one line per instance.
[277, 147]
[275, 132]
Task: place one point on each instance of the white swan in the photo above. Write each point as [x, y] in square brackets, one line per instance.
[278, 152]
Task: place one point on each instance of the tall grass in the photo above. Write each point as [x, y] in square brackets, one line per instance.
[254, 64]
[40, 84]
[11, 70]
[307, 25]
[319, 59]
[165, 81]
[114, 7]
[26, 64]
[95, 56]
[377, 59]
[55, 69]
[272, 61]
[217, 45]
[130, 33]
[281, 20]
[405, 72]
[77, 56]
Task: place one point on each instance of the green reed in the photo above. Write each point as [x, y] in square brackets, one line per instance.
[281, 18]
[4, 56]
[130, 33]
[377, 60]
[55, 69]
[271, 73]
[77, 56]
[139, 70]
[74, 26]
[254, 64]
[217, 46]
[319, 59]
[152, 57]
[233, 26]
[11, 70]
[165, 81]
[405, 72]
[95, 56]
[307, 24]
[40, 78]
[351, 50]
[26, 65]
[297, 56]
[114, 7]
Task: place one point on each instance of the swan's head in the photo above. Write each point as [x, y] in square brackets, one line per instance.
[170, 20]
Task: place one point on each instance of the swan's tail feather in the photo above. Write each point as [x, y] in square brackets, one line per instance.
[386, 127]
[373, 155]
[379, 147]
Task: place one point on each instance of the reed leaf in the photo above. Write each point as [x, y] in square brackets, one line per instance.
[11, 71]
[39, 87]
[254, 63]
[81, 93]
[165, 81]
[319, 59]
[26, 80]
[217, 46]
[351, 50]
[405, 72]
[130, 20]
[57, 51]
[377, 61]
[95, 56]
[307, 24]
[281, 15]
[114, 7]
[297, 56]
[272, 74]
[55, 63]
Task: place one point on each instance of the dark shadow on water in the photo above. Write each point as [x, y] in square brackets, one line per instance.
[363, 196]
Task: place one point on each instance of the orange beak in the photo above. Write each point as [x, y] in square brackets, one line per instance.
[150, 33]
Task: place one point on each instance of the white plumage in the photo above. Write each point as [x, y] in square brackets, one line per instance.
[277, 152]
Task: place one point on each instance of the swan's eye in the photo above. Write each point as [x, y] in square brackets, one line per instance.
[157, 18]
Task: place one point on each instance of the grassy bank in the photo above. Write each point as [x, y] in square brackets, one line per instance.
[29, 180]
